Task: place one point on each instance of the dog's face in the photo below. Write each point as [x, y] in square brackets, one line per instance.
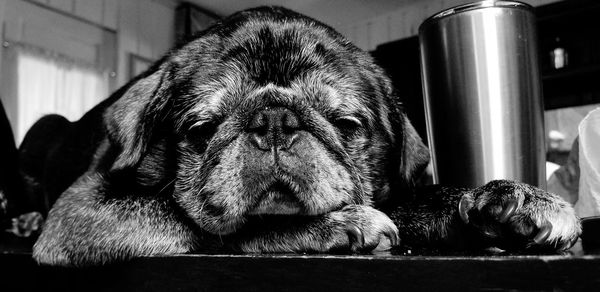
[268, 112]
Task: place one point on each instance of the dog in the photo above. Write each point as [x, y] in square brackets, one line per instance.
[269, 132]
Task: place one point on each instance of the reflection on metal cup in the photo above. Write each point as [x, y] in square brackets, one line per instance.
[482, 94]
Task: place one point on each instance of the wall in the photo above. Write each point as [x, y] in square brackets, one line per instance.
[38, 26]
[102, 12]
[403, 23]
[145, 28]
[142, 27]
[101, 32]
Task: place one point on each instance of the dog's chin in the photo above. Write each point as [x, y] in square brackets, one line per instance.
[278, 203]
[278, 199]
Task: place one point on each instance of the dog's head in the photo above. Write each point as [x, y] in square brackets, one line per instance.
[267, 112]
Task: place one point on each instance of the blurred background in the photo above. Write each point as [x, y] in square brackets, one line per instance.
[64, 56]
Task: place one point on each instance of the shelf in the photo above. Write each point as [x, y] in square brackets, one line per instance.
[564, 10]
[572, 72]
[311, 273]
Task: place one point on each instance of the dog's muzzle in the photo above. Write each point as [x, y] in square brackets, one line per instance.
[274, 129]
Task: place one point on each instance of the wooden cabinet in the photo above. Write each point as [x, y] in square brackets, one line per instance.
[191, 19]
[400, 59]
[574, 28]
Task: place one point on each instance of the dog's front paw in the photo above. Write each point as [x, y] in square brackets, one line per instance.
[363, 228]
[516, 216]
[354, 228]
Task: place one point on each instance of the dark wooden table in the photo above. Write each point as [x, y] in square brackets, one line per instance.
[384, 272]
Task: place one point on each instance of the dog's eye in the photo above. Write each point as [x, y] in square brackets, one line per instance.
[200, 134]
[349, 126]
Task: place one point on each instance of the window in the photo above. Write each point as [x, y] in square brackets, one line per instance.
[48, 83]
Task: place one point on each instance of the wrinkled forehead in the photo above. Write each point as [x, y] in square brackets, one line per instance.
[282, 63]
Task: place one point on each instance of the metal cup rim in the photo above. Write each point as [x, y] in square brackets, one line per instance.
[474, 6]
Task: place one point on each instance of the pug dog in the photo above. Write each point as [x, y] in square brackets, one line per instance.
[267, 133]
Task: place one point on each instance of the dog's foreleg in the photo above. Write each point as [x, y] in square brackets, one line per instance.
[88, 227]
[352, 228]
[505, 214]
[431, 219]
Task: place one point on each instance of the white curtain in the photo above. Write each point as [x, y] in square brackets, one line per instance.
[48, 83]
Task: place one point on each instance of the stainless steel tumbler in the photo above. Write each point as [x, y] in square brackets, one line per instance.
[482, 91]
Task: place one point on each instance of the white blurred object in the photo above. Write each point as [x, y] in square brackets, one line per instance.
[588, 203]
[551, 167]
[555, 138]
[556, 135]
[561, 125]
[564, 181]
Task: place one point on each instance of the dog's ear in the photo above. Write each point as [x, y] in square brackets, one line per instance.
[414, 155]
[409, 154]
[132, 119]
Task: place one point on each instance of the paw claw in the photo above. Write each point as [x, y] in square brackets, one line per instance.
[393, 236]
[510, 209]
[355, 232]
[543, 234]
[464, 206]
[567, 245]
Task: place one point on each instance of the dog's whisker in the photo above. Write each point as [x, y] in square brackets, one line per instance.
[166, 186]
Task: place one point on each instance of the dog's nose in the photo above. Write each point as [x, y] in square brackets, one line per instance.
[274, 128]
